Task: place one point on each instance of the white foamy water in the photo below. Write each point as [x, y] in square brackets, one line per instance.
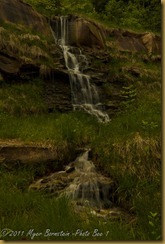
[88, 185]
[84, 93]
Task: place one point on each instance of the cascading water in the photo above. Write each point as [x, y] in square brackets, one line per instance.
[84, 94]
[89, 186]
[80, 182]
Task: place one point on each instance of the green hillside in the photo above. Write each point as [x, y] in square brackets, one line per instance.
[139, 15]
[127, 149]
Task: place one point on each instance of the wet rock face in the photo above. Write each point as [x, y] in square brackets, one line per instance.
[57, 94]
[81, 183]
[82, 32]
[16, 11]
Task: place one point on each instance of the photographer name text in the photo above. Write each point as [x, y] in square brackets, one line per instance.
[32, 233]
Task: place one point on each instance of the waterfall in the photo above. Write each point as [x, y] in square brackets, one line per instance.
[81, 182]
[88, 185]
[84, 94]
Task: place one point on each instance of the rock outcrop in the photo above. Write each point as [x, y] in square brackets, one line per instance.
[82, 32]
[152, 43]
[18, 12]
[134, 42]
[43, 158]
[26, 154]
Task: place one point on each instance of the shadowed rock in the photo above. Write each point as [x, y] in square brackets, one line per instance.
[16, 11]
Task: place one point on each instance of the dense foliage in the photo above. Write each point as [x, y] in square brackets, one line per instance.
[137, 14]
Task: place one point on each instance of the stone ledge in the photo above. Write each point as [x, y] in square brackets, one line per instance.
[23, 153]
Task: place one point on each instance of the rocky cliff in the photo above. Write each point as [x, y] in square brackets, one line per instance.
[27, 50]
[20, 13]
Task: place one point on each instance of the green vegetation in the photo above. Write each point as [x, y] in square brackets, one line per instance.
[22, 98]
[22, 211]
[135, 15]
[127, 149]
[131, 158]
[29, 46]
[130, 154]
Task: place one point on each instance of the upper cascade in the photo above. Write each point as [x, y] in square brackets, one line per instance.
[84, 94]
[82, 32]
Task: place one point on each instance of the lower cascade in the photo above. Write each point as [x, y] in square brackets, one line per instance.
[84, 94]
[81, 183]
[88, 186]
